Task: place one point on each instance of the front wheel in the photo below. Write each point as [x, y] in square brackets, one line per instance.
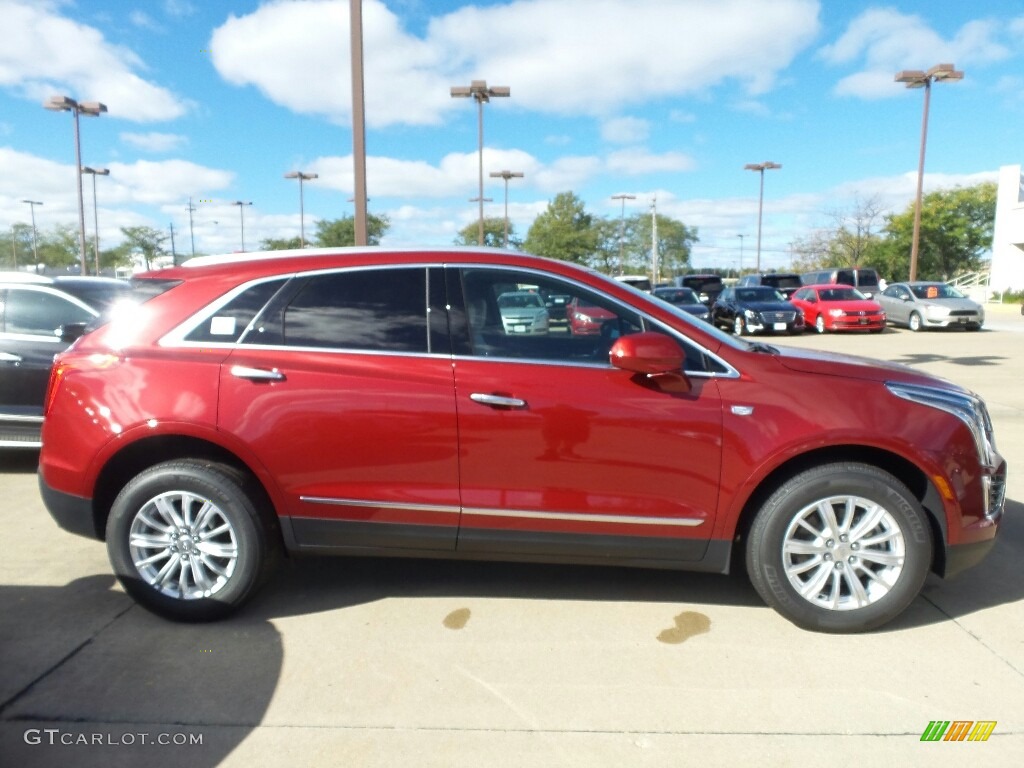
[819, 324]
[914, 323]
[738, 326]
[840, 547]
[187, 541]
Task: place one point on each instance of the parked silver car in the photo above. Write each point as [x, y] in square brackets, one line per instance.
[523, 312]
[922, 304]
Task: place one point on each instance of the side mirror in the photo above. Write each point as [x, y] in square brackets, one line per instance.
[648, 352]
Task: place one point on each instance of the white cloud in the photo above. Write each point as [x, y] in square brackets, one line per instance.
[144, 21]
[45, 53]
[636, 161]
[889, 41]
[154, 142]
[625, 130]
[297, 53]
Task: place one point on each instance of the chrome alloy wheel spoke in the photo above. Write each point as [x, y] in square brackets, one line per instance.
[843, 552]
[183, 545]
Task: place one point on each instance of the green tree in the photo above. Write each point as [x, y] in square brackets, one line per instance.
[494, 234]
[337, 233]
[16, 247]
[564, 231]
[956, 230]
[280, 243]
[58, 247]
[675, 242]
[147, 241]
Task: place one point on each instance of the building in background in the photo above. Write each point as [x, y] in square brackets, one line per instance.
[1008, 233]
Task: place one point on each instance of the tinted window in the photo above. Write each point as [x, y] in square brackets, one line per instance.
[867, 278]
[40, 313]
[381, 310]
[229, 322]
[782, 281]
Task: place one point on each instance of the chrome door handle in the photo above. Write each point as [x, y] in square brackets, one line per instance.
[256, 374]
[497, 401]
[7, 357]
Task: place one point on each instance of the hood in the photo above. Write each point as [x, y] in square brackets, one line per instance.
[768, 306]
[852, 366]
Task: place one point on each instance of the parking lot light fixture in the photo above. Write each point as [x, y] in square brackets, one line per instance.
[479, 91]
[302, 208]
[92, 109]
[506, 175]
[94, 172]
[767, 165]
[241, 218]
[915, 78]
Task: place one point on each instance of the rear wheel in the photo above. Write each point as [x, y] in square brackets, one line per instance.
[187, 541]
[914, 323]
[840, 548]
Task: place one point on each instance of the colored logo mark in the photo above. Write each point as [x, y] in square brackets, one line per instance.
[958, 730]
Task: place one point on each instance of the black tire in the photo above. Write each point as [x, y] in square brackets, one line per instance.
[187, 540]
[914, 322]
[829, 563]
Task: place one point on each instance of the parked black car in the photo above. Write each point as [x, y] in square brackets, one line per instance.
[39, 317]
[756, 309]
[686, 300]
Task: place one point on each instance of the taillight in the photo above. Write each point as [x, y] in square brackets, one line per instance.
[66, 365]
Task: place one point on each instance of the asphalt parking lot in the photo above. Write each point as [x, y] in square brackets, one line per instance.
[388, 662]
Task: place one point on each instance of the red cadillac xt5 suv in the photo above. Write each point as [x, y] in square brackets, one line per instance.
[372, 402]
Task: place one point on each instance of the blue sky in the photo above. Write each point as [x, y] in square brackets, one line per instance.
[664, 99]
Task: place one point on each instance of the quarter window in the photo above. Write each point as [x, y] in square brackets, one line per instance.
[380, 310]
[229, 322]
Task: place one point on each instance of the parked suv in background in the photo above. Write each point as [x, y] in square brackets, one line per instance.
[372, 402]
[707, 287]
[863, 279]
[785, 283]
[39, 317]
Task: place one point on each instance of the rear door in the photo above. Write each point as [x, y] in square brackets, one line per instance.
[564, 456]
[343, 388]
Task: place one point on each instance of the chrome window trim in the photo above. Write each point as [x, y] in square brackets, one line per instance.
[340, 502]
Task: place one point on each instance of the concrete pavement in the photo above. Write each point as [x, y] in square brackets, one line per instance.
[389, 662]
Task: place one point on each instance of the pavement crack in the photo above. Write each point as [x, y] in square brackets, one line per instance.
[974, 635]
[10, 702]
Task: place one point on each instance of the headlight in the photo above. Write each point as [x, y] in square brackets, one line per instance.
[935, 311]
[750, 314]
[970, 409]
[836, 313]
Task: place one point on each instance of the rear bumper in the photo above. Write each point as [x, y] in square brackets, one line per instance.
[72, 513]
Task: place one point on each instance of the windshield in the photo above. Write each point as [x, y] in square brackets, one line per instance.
[758, 294]
[520, 301]
[841, 294]
[936, 291]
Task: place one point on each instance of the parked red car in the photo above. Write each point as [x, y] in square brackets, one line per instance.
[838, 308]
[585, 319]
[371, 402]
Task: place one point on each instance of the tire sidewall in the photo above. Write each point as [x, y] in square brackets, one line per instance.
[764, 552]
[914, 322]
[220, 488]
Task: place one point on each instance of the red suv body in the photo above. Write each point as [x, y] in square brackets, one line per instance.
[370, 401]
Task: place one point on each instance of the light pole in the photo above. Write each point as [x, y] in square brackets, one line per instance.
[622, 224]
[739, 271]
[241, 218]
[92, 108]
[767, 165]
[915, 78]
[94, 172]
[35, 250]
[506, 175]
[360, 222]
[478, 90]
[302, 207]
